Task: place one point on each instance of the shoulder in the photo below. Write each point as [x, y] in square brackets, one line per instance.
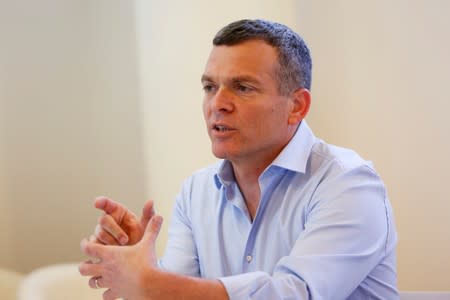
[335, 160]
[341, 175]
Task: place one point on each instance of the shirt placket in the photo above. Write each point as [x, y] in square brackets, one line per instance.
[267, 183]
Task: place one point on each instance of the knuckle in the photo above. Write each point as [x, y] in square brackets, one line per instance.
[90, 251]
[82, 269]
[93, 239]
[106, 295]
[103, 220]
[103, 236]
[83, 246]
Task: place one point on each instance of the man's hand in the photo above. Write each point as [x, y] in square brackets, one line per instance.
[125, 270]
[131, 272]
[119, 225]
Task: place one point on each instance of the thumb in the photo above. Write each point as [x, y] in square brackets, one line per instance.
[148, 211]
[152, 230]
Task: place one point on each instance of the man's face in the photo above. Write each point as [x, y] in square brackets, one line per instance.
[246, 117]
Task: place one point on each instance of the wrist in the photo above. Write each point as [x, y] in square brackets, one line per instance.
[150, 282]
[159, 284]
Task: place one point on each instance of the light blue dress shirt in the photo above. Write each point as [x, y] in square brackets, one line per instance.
[324, 228]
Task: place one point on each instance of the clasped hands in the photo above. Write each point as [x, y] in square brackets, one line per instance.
[122, 251]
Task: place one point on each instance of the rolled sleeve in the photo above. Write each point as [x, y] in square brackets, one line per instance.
[181, 252]
[260, 285]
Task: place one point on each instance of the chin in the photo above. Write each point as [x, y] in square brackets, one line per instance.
[219, 155]
[220, 152]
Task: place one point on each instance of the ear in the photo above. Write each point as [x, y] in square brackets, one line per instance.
[301, 101]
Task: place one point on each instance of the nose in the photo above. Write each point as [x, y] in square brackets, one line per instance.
[222, 100]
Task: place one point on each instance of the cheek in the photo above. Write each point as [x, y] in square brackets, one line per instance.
[205, 109]
[273, 121]
[280, 113]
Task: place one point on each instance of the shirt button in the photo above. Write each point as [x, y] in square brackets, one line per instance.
[249, 258]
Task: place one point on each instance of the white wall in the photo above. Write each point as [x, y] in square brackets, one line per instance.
[69, 124]
[380, 86]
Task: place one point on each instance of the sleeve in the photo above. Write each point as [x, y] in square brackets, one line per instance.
[344, 238]
[181, 253]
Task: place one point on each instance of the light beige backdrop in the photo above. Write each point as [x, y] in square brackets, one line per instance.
[103, 97]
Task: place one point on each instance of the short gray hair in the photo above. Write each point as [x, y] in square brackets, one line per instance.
[294, 58]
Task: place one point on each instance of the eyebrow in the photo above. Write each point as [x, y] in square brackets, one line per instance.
[245, 78]
[205, 78]
[241, 78]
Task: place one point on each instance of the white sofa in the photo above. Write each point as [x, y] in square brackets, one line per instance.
[57, 282]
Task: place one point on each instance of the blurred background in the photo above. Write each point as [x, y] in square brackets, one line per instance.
[101, 97]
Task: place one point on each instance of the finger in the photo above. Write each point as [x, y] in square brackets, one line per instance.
[88, 268]
[109, 232]
[104, 237]
[148, 211]
[93, 249]
[110, 295]
[152, 230]
[110, 207]
[92, 238]
[96, 282]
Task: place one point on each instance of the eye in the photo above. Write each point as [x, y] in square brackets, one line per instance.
[244, 88]
[208, 87]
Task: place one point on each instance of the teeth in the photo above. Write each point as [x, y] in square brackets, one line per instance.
[221, 128]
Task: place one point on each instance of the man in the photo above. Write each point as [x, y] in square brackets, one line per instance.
[283, 215]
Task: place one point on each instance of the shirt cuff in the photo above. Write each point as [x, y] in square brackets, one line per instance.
[242, 286]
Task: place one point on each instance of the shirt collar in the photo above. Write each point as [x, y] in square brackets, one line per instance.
[293, 157]
[224, 175]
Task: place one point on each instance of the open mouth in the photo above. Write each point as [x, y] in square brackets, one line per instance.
[221, 128]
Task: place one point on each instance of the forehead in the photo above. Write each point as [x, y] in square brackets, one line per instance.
[249, 58]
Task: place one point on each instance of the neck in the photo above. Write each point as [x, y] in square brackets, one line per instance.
[247, 177]
[248, 170]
